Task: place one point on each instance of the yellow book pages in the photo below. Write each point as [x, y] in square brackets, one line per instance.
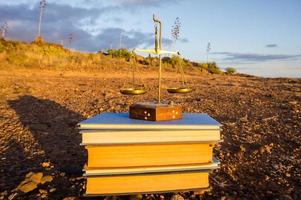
[146, 183]
[148, 155]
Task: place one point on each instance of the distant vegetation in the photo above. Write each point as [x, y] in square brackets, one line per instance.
[53, 56]
[121, 53]
[47, 56]
[230, 70]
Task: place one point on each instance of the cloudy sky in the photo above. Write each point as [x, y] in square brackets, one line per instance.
[261, 37]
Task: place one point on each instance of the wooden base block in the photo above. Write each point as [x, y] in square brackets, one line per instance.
[155, 112]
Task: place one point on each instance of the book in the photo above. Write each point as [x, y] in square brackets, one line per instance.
[102, 137]
[127, 156]
[146, 183]
[134, 155]
[121, 121]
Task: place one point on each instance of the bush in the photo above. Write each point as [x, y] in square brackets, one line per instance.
[176, 60]
[166, 60]
[210, 67]
[230, 70]
[2, 48]
[121, 53]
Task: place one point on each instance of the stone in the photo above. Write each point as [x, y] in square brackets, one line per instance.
[29, 174]
[69, 198]
[176, 197]
[36, 177]
[52, 190]
[42, 191]
[136, 197]
[46, 179]
[12, 196]
[27, 187]
[46, 164]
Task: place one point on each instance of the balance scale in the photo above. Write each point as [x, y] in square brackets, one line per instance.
[147, 151]
[156, 111]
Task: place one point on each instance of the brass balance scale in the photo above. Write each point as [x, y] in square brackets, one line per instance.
[156, 111]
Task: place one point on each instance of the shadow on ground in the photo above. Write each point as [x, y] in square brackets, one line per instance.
[54, 128]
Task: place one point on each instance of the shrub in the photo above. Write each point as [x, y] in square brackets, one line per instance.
[210, 67]
[121, 53]
[213, 68]
[230, 70]
[176, 60]
[166, 60]
[2, 48]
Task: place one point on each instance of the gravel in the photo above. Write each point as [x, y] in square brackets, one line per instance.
[260, 154]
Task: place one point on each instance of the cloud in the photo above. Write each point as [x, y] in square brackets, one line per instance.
[146, 3]
[271, 45]
[61, 19]
[129, 39]
[253, 57]
[184, 40]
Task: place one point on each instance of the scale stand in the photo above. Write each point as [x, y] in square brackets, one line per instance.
[156, 111]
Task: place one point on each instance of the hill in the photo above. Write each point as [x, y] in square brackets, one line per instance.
[38, 55]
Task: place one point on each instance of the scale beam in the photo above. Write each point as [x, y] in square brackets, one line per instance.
[158, 52]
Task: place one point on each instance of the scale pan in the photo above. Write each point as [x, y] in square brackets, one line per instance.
[132, 91]
[179, 90]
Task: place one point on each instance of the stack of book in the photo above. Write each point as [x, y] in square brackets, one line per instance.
[127, 156]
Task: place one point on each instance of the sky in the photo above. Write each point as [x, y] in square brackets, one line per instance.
[258, 37]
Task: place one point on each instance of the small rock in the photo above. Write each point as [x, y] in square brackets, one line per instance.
[242, 148]
[267, 148]
[12, 196]
[244, 119]
[46, 164]
[136, 197]
[69, 198]
[27, 187]
[46, 179]
[52, 190]
[161, 197]
[29, 174]
[176, 197]
[42, 191]
[36, 177]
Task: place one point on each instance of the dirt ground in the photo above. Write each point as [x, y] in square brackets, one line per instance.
[260, 154]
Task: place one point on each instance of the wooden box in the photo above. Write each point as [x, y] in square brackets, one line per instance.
[155, 112]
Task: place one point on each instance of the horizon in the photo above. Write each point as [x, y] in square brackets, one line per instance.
[257, 38]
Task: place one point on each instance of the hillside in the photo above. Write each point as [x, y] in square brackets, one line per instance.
[45, 90]
[18, 54]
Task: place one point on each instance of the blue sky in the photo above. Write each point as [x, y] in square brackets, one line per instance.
[260, 37]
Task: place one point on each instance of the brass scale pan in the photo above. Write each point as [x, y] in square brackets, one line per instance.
[132, 91]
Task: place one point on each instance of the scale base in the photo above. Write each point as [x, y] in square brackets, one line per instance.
[150, 111]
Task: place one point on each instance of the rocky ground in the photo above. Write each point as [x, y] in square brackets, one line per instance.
[260, 154]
